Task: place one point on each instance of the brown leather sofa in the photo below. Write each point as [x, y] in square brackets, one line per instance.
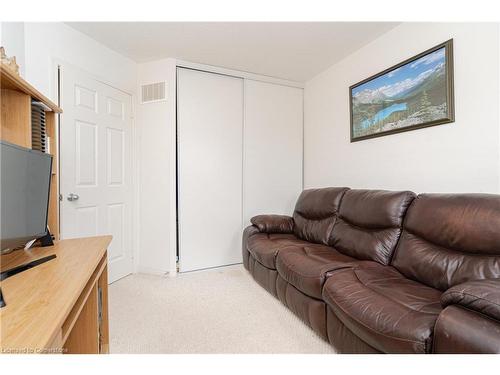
[376, 271]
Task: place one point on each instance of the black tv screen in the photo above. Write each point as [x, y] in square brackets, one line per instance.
[25, 187]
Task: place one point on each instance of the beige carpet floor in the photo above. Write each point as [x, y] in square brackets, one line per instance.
[221, 310]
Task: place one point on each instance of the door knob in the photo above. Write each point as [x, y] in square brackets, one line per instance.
[73, 197]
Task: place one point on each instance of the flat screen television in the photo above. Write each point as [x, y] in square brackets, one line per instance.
[25, 188]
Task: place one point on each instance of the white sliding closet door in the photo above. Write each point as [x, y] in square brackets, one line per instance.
[210, 137]
[273, 134]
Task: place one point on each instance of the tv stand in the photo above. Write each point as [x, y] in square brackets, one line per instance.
[23, 267]
[61, 306]
[13, 271]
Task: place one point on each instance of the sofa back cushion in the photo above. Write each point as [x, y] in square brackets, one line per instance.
[370, 223]
[315, 213]
[450, 238]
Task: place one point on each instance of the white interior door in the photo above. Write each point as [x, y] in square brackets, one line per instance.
[273, 149]
[210, 125]
[96, 165]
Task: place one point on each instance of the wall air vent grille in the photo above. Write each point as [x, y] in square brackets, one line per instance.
[155, 92]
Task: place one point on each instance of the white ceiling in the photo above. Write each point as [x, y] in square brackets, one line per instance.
[291, 50]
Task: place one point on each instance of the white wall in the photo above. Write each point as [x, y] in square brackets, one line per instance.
[157, 172]
[459, 157]
[12, 38]
[48, 42]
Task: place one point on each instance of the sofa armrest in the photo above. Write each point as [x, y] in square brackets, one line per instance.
[247, 233]
[459, 330]
[470, 320]
[273, 223]
[482, 296]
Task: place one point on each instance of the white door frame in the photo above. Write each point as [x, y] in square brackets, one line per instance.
[59, 64]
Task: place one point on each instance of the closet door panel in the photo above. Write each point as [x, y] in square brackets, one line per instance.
[210, 126]
[273, 133]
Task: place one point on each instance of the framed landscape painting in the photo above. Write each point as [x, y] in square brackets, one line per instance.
[414, 94]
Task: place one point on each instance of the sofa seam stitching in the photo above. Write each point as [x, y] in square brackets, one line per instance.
[403, 228]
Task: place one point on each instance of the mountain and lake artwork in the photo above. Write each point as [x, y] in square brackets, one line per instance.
[414, 94]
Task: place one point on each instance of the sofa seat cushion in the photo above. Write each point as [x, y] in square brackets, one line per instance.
[306, 267]
[265, 246]
[389, 312]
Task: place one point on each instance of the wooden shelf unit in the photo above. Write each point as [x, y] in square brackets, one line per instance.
[15, 127]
